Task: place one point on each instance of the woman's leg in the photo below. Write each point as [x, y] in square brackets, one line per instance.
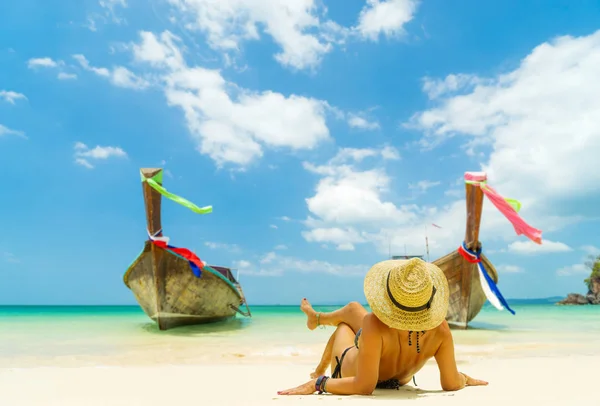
[352, 314]
[325, 359]
[343, 351]
[340, 340]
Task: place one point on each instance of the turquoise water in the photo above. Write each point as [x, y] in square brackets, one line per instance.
[116, 335]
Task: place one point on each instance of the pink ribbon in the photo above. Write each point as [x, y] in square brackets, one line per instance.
[520, 226]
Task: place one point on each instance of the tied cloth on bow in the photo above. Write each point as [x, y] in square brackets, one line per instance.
[508, 207]
[163, 242]
[157, 238]
[487, 283]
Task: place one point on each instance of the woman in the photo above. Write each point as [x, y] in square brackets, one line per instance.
[385, 348]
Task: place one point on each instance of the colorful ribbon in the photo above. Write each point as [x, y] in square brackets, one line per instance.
[163, 242]
[487, 283]
[155, 183]
[508, 207]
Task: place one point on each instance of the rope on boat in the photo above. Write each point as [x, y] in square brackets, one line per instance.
[487, 283]
[240, 311]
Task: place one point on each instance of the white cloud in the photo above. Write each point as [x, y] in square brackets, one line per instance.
[11, 96]
[7, 131]
[343, 221]
[529, 247]
[294, 25]
[451, 83]
[453, 193]
[83, 154]
[541, 125]
[247, 268]
[268, 258]
[50, 63]
[123, 77]
[509, 269]
[285, 218]
[347, 195]
[344, 238]
[281, 247]
[275, 265]
[353, 155]
[231, 124]
[10, 257]
[119, 76]
[66, 76]
[541, 120]
[298, 27]
[349, 206]
[386, 17]
[111, 5]
[423, 185]
[108, 13]
[222, 246]
[42, 62]
[577, 269]
[591, 250]
[362, 123]
[273, 226]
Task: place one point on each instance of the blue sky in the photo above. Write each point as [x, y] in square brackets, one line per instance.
[322, 133]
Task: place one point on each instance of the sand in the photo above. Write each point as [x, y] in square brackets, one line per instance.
[560, 380]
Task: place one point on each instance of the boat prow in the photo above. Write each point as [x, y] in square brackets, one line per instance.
[472, 278]
[173, 286]
[466, 297]
[466, 294]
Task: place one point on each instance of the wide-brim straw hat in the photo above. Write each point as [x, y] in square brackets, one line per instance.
[409, 295]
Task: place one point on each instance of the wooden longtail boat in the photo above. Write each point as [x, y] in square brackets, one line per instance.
[163, 282]
[466, 295]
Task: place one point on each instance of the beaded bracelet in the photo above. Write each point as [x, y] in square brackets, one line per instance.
[320, 384]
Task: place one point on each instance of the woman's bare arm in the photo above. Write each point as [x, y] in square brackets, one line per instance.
[450, 378]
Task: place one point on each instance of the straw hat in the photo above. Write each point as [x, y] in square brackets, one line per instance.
[407, 294]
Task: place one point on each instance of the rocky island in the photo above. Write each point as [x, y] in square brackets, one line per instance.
[593, 285]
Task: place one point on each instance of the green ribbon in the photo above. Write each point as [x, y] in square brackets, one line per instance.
[515, 204]
[155, 183]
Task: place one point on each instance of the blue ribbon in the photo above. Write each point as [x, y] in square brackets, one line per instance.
[488, 278]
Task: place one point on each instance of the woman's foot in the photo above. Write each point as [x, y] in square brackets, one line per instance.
[311, 315]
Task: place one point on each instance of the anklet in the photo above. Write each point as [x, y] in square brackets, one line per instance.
[319, 321]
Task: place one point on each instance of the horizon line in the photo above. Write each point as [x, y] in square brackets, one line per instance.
[257, 304]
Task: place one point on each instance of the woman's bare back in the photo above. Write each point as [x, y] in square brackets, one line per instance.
[399, 356]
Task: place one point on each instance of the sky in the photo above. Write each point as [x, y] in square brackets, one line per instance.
[325, 134]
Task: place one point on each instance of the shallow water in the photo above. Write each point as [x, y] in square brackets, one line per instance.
[124, 335]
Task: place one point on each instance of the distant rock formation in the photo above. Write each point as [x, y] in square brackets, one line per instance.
[592, 297]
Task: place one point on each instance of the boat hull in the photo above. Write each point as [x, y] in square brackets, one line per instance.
[466, 296]
[171, 295]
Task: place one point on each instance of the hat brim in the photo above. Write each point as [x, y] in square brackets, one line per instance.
[382, 306]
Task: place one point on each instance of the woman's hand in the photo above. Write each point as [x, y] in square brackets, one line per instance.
[304, 389]
[472, 381]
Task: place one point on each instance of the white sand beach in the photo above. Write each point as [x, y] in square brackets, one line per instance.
[563, 380]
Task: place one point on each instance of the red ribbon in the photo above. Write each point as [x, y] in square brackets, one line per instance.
[184, 252]
[468, 256]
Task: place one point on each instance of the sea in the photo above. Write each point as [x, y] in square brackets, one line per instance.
[72, 336]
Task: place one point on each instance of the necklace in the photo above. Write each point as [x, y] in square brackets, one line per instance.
[410, 341]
